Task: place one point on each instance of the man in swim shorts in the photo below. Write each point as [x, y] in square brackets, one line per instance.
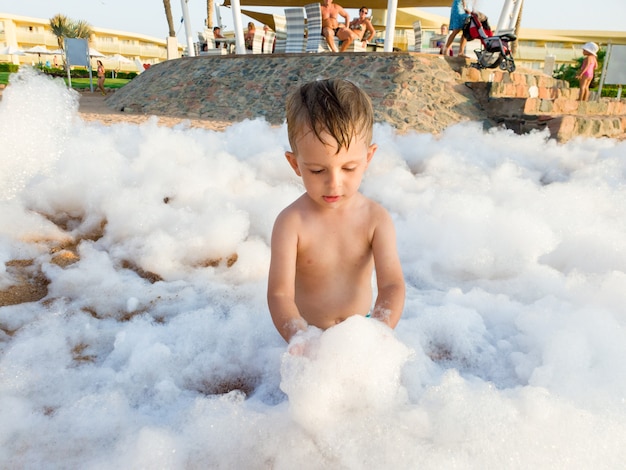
[331, 26]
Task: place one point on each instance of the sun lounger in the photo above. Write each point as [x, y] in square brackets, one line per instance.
[280, 22]
[295, 30]
[207, 37]
[314, 40]
[356, 46]
[417, 36]
[257, 42]
[268, 42]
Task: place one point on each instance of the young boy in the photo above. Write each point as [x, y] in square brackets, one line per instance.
[326, 243]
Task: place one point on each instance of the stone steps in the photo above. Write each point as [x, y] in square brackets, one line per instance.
[528, 100]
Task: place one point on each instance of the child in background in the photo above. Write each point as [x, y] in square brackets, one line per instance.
[587, 69]
[326, 244]
[100, 73]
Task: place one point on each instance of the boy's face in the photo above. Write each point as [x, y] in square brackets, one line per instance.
[330, 178]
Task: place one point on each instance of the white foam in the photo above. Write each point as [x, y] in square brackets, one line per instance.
[508, 355]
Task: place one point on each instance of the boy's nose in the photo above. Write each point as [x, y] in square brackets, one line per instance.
[334, 179]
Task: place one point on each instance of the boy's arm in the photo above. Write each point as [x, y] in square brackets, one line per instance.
[391, 290]
[282, 277]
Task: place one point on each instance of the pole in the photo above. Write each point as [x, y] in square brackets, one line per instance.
[508, 16]
[67, 63]
[390, 27]
[191, 51]
[240, 47]
[218, 15]
[607, 57]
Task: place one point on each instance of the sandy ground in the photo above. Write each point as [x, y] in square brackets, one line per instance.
[92, 107]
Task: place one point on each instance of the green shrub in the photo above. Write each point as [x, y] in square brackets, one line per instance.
[81, 73]
[126, 75]
[610, 91]
[8, 67]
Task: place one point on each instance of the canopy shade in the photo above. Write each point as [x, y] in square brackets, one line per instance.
[264, 18]
[406, 17]
[371, 4]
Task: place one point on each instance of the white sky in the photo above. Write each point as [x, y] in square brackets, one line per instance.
[509, 354]
[148, 16]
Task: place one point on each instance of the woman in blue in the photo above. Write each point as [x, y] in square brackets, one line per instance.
[458, 13]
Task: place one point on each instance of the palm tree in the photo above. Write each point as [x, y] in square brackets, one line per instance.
[60, 25]
[64, 27]
[170, 20]
[81, 29]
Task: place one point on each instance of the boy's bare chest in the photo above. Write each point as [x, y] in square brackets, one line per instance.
[342, 242]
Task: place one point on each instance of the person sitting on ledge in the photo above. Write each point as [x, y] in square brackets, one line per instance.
[331, 26]
[249, 36]
[362, 26]
[217, 33]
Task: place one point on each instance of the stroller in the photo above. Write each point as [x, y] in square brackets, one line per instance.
[495, 50]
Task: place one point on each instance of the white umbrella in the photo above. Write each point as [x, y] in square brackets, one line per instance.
[39, 50]
[11, 50]
[121, 59]
[95, 53]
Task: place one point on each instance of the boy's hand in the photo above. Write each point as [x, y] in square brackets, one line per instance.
[305, 342]
[296, 349]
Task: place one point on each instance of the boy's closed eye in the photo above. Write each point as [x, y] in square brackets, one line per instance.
[316, 172]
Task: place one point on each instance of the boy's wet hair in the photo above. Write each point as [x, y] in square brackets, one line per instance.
[335, 106]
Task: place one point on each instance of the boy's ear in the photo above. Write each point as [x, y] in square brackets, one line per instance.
[371, 150]
[291, 158]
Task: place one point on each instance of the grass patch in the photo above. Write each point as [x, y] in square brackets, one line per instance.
[83, 83]
[79, 83]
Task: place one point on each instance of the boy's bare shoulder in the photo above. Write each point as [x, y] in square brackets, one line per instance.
[293, 211]
[377, 211]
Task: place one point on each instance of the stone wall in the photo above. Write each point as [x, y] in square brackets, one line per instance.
[410, 91]
[530, 100]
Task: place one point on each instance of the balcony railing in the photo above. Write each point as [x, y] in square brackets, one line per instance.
[539, 53]
[29, 39]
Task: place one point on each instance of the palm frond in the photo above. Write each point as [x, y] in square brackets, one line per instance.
[81, 29]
